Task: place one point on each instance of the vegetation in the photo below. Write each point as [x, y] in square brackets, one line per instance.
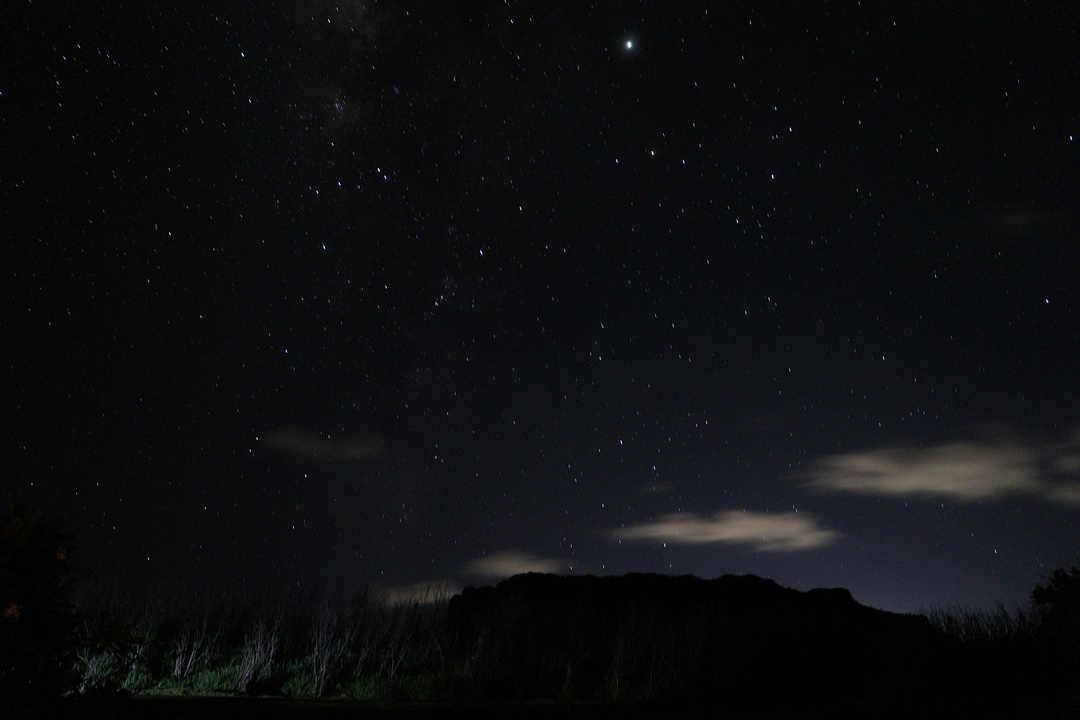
[523, 640]
[1057, 608]
[37, 623]
[355, 644]
[300, 644]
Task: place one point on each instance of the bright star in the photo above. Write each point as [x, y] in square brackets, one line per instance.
[629, 44]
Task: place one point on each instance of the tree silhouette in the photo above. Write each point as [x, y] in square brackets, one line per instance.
[37, 623]
[1059, 600]
[1058, 607]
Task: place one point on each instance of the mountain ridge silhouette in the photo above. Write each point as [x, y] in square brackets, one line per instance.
[735, 636]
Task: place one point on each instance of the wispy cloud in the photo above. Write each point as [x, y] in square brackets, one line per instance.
[656, 488]
[1014, 222]
[964, 471]
[961, 471]
[1066, 494]
[1066, 456]
[768, 532]
[511, 562]
[294, 441]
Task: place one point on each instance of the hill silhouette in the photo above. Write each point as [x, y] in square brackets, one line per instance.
[656, 637]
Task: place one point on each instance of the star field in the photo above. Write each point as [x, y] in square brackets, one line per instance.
[406, 293]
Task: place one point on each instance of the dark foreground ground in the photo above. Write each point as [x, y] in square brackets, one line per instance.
[223, 708]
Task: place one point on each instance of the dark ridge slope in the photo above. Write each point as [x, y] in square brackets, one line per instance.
[641, 636]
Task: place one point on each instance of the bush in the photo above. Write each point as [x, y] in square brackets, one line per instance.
[108, 652]
[1058, 606]
[37, 623]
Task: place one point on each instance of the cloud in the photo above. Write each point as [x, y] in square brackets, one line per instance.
[511, 562]
[294, 441]
[1066, 494]
[1068, 463]
[1014, 222]
[767, 532]
[1066, 456]
[961, 471]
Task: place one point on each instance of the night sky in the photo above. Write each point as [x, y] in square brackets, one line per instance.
[411, 292]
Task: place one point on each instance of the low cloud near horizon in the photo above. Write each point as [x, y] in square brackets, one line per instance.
[430, 592]
[509, 563]
[766, 532]
[966, 471]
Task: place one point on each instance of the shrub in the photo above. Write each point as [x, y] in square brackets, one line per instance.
[1058, 606]
[37, 623]
[108, 651]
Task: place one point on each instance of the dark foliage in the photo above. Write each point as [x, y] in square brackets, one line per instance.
[37, 625]
[996, 656]
[1058, 606]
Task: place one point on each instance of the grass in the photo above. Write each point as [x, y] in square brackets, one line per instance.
[986, 626]
[304, 644]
